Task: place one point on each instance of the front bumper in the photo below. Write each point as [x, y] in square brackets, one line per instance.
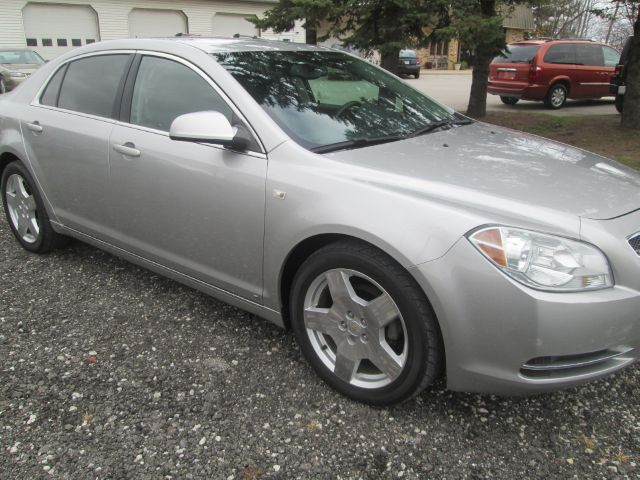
[494, 328]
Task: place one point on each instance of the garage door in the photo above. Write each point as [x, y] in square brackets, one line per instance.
[52, 29]
[228, 24]
[146, 22]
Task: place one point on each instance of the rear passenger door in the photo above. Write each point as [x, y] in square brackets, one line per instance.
[193, 207]
[66, 133]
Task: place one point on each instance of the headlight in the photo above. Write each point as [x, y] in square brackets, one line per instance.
[17, 74]
[544, 262]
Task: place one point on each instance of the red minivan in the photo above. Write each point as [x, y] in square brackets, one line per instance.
[552, 71]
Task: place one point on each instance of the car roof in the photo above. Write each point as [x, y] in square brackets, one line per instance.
[554, 41]
[239, 44]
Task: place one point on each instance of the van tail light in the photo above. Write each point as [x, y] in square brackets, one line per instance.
[535, 74]
[619, 70]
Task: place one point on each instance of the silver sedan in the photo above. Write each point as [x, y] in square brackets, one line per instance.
[398, 239]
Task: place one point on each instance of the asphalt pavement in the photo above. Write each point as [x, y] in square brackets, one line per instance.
[452, 88]
[109, 371]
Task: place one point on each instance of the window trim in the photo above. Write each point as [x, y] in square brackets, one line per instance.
[130, 76]
[36, 99]
[127, 96]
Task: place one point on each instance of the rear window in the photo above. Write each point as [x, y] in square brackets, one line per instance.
[517, 54]
[408, 54]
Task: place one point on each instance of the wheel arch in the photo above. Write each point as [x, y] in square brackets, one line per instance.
[6, 158]
[306, 247]
[566, 81]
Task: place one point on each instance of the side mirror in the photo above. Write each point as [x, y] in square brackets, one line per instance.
[207, 127]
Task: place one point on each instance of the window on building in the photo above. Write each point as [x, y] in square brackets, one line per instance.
[91, 84]
[47, 42]
[76, 42]
[62, 42]
[32, 42]
[89, 40]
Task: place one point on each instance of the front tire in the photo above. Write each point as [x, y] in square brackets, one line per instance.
[364, 324]
[509, 100]
[25, 212]
[556, 96]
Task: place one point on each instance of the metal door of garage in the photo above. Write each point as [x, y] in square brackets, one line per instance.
[147, 22]
[54, 28]
[228, 24]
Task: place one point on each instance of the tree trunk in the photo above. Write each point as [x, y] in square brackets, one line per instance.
[389, 59]
[311, 36]
[631, 104]
[477, 106]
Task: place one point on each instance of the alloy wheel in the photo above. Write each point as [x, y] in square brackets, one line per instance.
[22, 208]
[558, 96]
[355, 328]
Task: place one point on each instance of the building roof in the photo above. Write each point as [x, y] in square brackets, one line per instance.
[519, 17]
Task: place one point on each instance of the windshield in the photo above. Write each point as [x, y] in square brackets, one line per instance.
[17, 57]
[517, 54]
[326, 97]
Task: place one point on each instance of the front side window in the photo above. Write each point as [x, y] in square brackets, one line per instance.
[322, 98]
[91, 84]
[166, 89]
[561, 54]
[590, 55]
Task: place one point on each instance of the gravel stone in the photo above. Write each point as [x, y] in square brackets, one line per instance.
[175, 366]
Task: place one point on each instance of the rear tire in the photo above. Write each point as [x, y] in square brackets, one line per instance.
[619, 103]
[364, 324]
[417, 75]
[556, 96]
[3, 85]
[25, 211]
[509, 100]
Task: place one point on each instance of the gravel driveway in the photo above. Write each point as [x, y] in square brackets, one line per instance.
[109, 371]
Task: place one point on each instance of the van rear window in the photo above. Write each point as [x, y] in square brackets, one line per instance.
[517, 54]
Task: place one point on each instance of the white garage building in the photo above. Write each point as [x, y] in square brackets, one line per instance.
[54, 27]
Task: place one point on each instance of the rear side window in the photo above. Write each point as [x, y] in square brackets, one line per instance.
[563, 53]
[156, 99]
[590, 55]
[611, 56]
[517, 54]
[91, 84]
[50, 94]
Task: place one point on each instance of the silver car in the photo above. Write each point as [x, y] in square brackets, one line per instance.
[16, 65]
[398, 239]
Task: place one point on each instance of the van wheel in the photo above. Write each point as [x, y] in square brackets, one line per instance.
[618, 102]
[556, 96]
[417, 75]
[364, 324]
[25, 211]
[509, 100]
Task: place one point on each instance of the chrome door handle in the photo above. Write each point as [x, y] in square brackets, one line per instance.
[35, 127]
[128, 149]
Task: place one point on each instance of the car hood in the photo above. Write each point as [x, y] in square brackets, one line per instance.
[501, 168]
